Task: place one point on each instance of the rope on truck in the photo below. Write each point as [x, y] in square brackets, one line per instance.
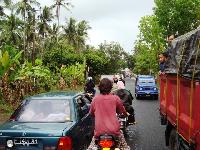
[165, 94]
[191, 92]
[178, 88]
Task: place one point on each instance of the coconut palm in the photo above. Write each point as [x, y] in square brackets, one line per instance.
[45, 18]
[10, 25]
[2, 11]
[6, 5]
[70, 31]
[82, 34]
[76, 33]
[57, 5]
[11, 30]
[23, 7]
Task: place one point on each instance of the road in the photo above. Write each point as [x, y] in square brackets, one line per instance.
[147, 134]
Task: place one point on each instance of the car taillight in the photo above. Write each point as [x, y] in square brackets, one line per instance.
[106, 143]
[65, 143]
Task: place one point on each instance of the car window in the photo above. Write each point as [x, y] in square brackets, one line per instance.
[146, 81]
[45, 111]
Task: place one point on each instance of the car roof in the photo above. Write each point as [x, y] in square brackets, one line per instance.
[55, 95]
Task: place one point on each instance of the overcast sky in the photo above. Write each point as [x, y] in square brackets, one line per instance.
[111, 20]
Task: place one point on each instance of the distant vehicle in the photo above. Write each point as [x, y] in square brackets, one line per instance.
[50, 121]
[145, 86]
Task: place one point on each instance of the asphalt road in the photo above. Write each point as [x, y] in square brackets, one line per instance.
[147, 134]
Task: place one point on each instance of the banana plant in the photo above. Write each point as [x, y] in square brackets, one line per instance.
[73, 73]
[37, 76]
[6, 62]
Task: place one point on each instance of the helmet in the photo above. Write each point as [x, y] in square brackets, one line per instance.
[89, 78]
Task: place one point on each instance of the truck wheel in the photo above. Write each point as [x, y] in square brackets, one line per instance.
[173, 143]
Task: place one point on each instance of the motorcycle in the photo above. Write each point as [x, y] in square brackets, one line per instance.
[107, 142]
[123, 123]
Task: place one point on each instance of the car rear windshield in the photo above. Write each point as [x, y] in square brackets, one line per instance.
[44, 111]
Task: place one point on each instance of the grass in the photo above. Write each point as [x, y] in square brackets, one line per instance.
[5, 112]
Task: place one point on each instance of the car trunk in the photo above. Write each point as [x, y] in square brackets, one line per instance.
[33, 136]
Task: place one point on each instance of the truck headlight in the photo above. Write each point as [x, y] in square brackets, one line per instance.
[10, 143]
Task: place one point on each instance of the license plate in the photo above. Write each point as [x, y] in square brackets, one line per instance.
[106, 148]
[25, 141]
[122, 119]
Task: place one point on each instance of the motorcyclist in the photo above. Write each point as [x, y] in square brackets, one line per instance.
[127, 98]
[121, 84]
[89, 86]
[104, 108]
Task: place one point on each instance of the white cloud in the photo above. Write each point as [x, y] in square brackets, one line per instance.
[111, 20]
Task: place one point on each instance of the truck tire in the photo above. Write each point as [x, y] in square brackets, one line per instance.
[173, 143]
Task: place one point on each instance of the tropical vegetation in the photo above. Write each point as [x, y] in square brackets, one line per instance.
[169, 17]
[39, 53]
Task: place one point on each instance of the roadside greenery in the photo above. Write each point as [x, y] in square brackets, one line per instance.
[38, 53]
[170, 17]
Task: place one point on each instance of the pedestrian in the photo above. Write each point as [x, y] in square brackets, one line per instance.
[162, 62]
[170, 38]
[121, 84]
[104, 108]
[115, 79]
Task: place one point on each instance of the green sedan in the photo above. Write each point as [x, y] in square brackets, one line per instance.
[49, 121]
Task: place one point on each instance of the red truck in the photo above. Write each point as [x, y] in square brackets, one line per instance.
[180, 93]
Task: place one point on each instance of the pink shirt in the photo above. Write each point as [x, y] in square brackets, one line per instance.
[120, 85]
[104, 108]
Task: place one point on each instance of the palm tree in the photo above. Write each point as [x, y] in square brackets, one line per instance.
[82, 34]
[55, 31]
[44, 28]
[52, 40]
[23, 7]
[11, 30]
[2, 11]
[70, 31]
[76, 33]
[6, 5]
[57, 5]
[45, 18]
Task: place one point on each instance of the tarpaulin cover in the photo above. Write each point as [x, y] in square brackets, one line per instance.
[184, 55]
